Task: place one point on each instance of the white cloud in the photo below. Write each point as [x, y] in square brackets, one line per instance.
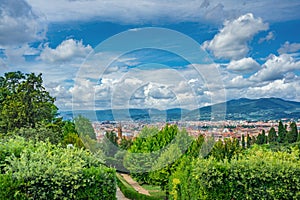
[19, 24]
[231, 41]
[160, 11]
[244, 65]
[268, 37]
[289, 48]
[278, 88]
[238, 82]
[69, 49]
[276, 67]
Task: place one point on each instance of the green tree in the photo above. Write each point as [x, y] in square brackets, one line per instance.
[243, 141]
[292, 135]
[281, 133]
[272, 135]
[24, 102]
[84, 127]
[261, 138]
[248, 140]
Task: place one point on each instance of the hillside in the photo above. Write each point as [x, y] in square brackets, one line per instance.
[238, 109]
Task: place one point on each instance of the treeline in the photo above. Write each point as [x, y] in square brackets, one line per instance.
[282, 136]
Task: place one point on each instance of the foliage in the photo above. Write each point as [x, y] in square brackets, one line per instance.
[292, 135]
[84, 127]
[41, 170]
[24, 102]
[272, 135]
[243, 141]
[226, 150]
[261, 138]
[41, 132]
[146, 149]
[258, 174]
[72, 138]
[281, 133]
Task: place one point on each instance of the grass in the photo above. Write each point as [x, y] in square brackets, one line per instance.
[131, 193]
[155, 191]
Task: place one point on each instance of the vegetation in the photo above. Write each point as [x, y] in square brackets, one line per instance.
[24, 102]
[130, 192]
[35, 163]
[257, 174]
[41, 170]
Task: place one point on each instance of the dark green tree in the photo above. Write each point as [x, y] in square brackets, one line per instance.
[243, 141]
[248, 140]
[24, 102]
[272, 136]
[281, 133]
[292, 135]
[261, 138]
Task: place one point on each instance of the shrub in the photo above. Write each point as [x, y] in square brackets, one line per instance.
[45, 171]
[258, 174]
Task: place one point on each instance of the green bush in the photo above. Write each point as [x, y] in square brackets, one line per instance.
[46, 171]
[258, 174]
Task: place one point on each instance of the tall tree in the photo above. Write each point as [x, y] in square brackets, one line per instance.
[272, 135]
[24, 102]
[261, 138]
[281, 133]
[248, 140]
[292, 135]
[243, 141]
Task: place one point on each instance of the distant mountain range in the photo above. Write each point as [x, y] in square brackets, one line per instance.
[238, 109]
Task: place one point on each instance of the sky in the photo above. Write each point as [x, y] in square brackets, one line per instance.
[104, 54]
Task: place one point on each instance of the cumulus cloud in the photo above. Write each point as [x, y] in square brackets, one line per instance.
[69, 49]
[276, 67]
[232, 40]
[289, 48]
[244, 65]
[19, 24]
[278, 88]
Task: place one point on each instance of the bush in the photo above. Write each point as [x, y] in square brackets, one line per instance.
[45, 171]
[258, 174]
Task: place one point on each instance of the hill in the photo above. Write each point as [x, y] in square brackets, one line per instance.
[237, 109]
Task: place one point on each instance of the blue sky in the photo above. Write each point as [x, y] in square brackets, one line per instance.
[247, 49]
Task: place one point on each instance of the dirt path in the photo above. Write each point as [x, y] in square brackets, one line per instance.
[135, 185]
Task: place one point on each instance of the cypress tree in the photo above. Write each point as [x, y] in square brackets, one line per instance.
[281, 133]
[293, 133]
[243, 141]
[248, 141]
[272, 135]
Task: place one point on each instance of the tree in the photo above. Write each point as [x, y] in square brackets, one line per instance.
[292, 135]
[24, 102]
[281, 133]
[261, 138]
[272, 135]
[248, 140]
[84, 127]
[243, 141]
